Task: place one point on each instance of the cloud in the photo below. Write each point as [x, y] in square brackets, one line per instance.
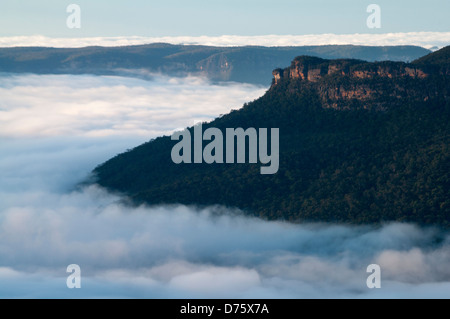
[55, 105]
[47, 223]
[424, 39]
[185, 252]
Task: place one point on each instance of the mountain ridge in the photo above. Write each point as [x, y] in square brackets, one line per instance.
[367, 160]
[251, 64]
[368, 80]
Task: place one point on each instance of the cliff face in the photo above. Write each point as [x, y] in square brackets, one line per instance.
[217, 67]
[314, 69]
[342, 84]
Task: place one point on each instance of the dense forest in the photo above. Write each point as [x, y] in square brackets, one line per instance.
[380, 156]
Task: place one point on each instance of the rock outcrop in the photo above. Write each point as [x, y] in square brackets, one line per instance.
[314, 69]
[342, 84]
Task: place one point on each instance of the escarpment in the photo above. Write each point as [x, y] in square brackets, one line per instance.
[345, 84]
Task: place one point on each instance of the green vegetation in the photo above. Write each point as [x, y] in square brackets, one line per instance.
[345, 164]
[441, 58]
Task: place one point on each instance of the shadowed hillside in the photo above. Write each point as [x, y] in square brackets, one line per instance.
[359, 142]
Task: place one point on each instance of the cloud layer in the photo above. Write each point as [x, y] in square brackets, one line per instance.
[65, 125]
[55, 105]
[424, 39]
[185, 252]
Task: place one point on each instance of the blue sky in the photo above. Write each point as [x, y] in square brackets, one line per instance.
[218, 17]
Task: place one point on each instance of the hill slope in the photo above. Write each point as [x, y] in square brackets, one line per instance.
[241, 64]
[359, 142]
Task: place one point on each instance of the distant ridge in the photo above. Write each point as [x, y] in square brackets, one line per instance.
[240, 64]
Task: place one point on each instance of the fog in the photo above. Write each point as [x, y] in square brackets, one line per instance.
[424, 39]
[66, 105]
[55, 129]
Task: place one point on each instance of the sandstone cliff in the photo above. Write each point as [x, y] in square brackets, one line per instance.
[343, 84]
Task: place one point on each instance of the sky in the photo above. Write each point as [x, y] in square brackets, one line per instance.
[54, 129]
[106, 18]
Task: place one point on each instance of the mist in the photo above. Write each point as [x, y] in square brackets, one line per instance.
[101, 106]
[55, 129]
[424, 39]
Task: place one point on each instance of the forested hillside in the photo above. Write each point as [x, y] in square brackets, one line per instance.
[359, 142]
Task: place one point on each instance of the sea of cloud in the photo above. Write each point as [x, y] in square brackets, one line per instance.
[55, 129]
[424, 39]
[65, 105]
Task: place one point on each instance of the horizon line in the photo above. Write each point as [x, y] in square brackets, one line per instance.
[426, 39]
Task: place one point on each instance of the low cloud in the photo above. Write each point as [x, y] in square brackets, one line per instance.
[186, 252]
[96, 106]
[424, 39]
[47, 223]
